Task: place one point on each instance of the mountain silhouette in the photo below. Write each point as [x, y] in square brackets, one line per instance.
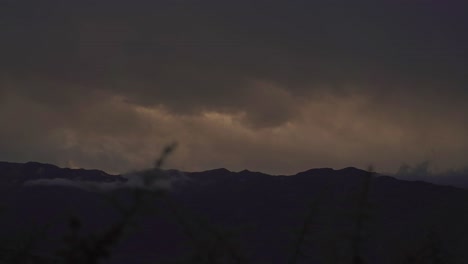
[21, 172]
[250, 217]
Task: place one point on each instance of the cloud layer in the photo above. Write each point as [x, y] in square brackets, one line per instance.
[247, 84]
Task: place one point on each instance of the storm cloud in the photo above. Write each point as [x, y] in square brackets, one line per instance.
[276, 86]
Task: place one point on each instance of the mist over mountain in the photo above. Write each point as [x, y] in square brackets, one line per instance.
[238, 217]
[425, 171]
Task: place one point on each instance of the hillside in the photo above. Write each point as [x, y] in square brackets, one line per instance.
[219, 216]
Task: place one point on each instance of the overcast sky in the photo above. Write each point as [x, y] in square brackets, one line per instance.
[273, 86]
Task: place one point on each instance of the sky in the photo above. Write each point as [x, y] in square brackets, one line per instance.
[272, 86]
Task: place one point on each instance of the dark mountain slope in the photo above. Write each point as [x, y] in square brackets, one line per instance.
[22, 172]
[253, 217]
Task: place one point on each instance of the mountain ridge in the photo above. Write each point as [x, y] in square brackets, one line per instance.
[33, 165]
[265, 210]
[14, 172]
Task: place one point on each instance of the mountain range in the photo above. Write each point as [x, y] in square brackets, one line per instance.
[219, 216]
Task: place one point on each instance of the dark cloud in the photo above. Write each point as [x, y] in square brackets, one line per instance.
[109, 82]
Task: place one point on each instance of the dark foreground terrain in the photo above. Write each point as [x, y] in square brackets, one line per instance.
[54, 215]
